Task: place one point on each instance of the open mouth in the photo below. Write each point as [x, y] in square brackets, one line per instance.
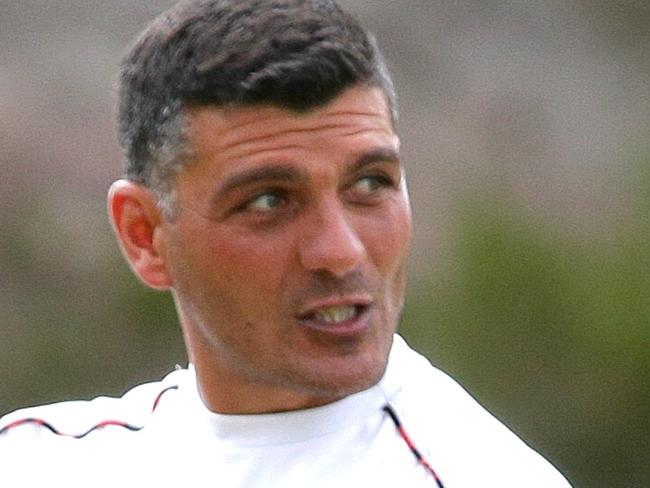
[337, 315]
[338, 319]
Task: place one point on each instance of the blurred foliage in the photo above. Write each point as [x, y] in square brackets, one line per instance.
[548, 331]
[75, 323]
[545, 328]
[540, 315]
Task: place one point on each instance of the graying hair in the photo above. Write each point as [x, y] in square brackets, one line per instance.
[296, 54]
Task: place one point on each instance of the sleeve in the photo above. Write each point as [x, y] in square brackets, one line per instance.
[466, 444]
[78, 419]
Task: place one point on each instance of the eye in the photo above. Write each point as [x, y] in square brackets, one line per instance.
[264, 202]
[371, 183]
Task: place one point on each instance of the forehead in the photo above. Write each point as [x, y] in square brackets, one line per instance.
[224, 138]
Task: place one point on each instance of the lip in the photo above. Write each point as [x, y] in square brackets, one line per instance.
[351, 327]
[345, 301]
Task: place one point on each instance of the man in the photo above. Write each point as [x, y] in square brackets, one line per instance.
[265, 190]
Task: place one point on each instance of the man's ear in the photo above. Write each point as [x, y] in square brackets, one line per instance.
[137, 223]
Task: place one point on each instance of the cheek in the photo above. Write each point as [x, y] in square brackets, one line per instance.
[253, 264]
[390, 238]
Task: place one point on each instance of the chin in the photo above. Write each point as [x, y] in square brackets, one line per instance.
[349, 379]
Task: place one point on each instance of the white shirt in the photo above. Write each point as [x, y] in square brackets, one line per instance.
[350, 442]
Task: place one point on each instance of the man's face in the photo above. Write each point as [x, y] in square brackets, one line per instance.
[287, 254]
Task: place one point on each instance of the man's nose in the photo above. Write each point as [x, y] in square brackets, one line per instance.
[329, 241]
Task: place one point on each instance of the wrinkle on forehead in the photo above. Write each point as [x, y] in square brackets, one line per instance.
[224, 129]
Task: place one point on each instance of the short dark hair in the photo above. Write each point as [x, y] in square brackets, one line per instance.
[295, 54]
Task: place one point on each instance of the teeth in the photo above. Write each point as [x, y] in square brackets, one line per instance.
[335, 315]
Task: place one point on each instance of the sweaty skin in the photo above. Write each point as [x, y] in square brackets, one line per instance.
[286, 257]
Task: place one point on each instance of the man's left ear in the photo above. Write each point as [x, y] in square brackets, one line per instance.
[137, 223]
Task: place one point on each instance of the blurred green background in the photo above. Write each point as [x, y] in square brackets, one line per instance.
[525, 130]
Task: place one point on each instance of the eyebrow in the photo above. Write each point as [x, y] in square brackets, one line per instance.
[287, 172]
[379, 155]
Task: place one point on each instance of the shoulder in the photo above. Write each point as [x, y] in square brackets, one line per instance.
[80, 419]
[470, 444]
